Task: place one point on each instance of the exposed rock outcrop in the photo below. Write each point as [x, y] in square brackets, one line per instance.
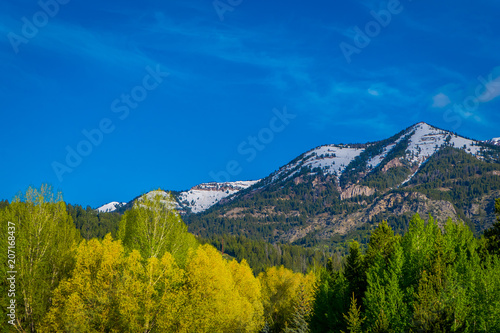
[392, 164]
[355, 191]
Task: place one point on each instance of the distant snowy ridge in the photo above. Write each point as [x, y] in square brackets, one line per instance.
[423, 139]
[494, 141]
[196, 200]
[110, 207]
[332, 159]
[427, 140]
[167, 199]
[203, 196]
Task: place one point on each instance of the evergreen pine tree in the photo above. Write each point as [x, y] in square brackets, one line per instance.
[353, 318]
[492, 235]
[432, 308]
[331, 302]
[382, 241]
[355, 271]
[386, 310]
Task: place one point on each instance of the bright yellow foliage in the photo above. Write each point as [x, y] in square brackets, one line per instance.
[280, 291]
[248, 287]
[84, 303]
[112, 291]
[143, 289]
[221, 296]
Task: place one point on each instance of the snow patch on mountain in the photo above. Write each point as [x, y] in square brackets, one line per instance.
[423, 142]
[375, 160]
[204, 196]
[200, 200]
[110, 207]
[494, 141]
[426, 140]
[332, 159]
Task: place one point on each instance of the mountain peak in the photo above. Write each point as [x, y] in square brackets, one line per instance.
[342, 189]
[203, 196]
[421, 123]
[110, 207]
[408, 149]
[346, 165]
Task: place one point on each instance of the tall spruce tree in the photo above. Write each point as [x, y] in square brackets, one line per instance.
[331, 302]
[386, 310]
[492, 234]
[355, 271]
[354, 318]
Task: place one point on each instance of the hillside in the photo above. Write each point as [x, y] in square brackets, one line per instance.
[338, 192]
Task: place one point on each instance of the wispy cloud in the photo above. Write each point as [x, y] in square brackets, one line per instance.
[440, 100]
[103, 46]
[491, 86]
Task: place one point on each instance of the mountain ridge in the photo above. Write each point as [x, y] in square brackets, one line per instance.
[333, 159]
[336, 192]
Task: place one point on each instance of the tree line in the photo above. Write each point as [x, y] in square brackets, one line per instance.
[431, 279]
[155, 276]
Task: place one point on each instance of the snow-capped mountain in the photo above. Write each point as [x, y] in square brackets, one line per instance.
[110, 207]
[494, 141]
[335, 192]
[203, 196]
[196, 200]
[417, 144]
[425, 140]
[348, 166]
[332, 159]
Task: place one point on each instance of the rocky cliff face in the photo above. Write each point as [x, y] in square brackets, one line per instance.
[412, 202]
[326, 226]
[392, 164]
[356, 191]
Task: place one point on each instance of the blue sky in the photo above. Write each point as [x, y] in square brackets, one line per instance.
[172, 94]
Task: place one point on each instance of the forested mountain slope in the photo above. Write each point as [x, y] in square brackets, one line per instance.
[338, 192]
